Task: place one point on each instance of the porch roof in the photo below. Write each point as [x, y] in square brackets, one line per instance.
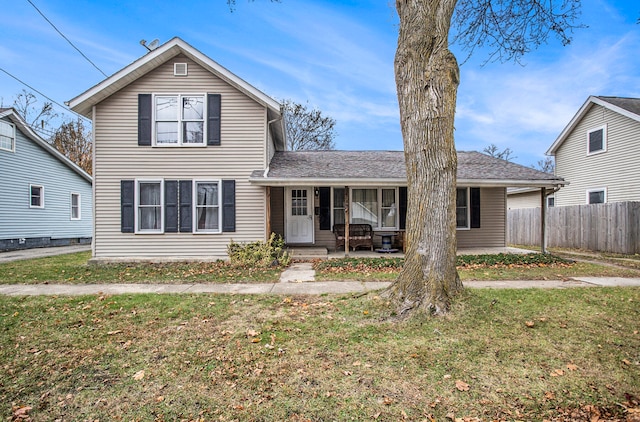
[387, 168]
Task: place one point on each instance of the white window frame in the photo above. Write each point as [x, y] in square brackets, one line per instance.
[12, 136]
[590, 191]
[137, 207]
[180, 121]
[378, 225]
[194, 204]
[468, 207]
[79, 206]
[41, 205]
[604, 140]
[333, 209]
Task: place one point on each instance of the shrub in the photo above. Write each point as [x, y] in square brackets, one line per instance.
[259, 254]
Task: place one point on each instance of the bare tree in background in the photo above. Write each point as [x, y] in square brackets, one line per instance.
[547, 165]
[73, 140]
[37, 117]
[307, 129]
[505, 154]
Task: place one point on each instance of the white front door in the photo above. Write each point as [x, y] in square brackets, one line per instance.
[299, 215]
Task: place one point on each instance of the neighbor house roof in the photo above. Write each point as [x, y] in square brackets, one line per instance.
[24, 127]
[84, 102]
[388, 168]
[629, 107]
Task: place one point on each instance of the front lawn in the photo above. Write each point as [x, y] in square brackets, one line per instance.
[501, 355]
[533, 266]
[73, 269]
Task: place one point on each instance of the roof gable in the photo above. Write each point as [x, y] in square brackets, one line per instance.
[29, 133]
[629, 107]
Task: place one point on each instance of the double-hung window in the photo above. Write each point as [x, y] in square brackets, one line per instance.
[179, 120]
[462, 208]
[75, 206]
[597, 140]
[7, 136]
[364, 206]
[207, 213]
[338, 206]
[149, 202]
[36, 194]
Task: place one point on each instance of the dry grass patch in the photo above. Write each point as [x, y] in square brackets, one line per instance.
[500, 356]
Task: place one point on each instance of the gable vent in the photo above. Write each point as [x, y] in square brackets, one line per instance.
[179, 69]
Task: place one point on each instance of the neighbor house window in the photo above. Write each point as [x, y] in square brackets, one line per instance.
[551, 201]
[36, 194]
[149, 204]
[179, 120]
[7, 136]
[462, 208]
[597, 196]
[75, 206]
[207, 212]
[597, 140]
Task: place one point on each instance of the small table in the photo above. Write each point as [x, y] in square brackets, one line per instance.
[387, 240]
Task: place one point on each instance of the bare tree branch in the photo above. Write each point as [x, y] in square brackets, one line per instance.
[306, 128]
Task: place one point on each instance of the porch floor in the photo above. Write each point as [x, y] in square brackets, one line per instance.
[308, 253]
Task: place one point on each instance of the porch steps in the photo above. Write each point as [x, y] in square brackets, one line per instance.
[302, 253]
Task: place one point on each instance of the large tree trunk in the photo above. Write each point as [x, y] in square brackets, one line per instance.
[427, 78]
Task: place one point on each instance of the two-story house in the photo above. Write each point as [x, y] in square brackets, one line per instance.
[188, 156]
[598, 153]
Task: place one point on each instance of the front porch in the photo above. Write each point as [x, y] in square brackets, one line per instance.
[304, 253]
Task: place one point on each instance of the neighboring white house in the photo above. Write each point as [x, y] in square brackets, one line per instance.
[598, 152]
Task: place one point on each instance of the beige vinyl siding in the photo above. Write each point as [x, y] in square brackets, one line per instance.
[118, 157]
[523, 200]
[492, 231]
[617, 169]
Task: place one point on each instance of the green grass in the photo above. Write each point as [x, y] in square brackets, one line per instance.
[73, 269]
[524, 355]
[533, 266]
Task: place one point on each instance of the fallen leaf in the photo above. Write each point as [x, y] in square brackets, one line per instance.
[256, 340]
[572, 367]
[462, 386]
[111, 333]
[557, 373]
[252, 333]
[138, 375]
[530, 324]
[21, 413]
[549, 395]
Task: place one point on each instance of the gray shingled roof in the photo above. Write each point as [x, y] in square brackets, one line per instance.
[381, 165]
[630, 104]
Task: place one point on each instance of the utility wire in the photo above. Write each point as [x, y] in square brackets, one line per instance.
[53, 101]
[63, 36]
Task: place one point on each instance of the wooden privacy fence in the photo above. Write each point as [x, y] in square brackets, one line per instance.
[612, 227]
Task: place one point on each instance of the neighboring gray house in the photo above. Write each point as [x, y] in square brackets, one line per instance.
[598, 152]
[45, 200]
[188, 157]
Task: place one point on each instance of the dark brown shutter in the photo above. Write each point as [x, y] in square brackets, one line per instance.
[171, 206]
[325, 208]
[127, 206]
[402, 206]
[144, 119]
[214, 107]
[475, 208]
[185, 200]
[228, 205]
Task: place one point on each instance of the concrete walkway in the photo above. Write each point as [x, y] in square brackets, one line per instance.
[21, 254]
[289, 288]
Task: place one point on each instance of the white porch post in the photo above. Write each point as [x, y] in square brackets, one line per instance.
[346, 221]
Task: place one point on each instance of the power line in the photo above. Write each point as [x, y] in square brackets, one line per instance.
[69, 41]
[53, 101]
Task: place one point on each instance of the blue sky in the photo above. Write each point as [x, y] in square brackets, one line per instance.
[335, 55]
